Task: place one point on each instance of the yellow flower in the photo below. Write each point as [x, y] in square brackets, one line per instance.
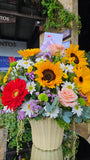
[82, 79]
[73, 54]
[28, 52]
[9, 70]
[65, 75]
[5, 78]
[49, 74]
[63, 59]
[30, 69]
[88, 99]
[0, 78]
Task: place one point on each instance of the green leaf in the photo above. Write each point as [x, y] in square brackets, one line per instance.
[66, 119]
[68, 113]
[78, 120]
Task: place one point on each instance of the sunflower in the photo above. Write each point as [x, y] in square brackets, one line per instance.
[82, 79]
[73, 54]
[88, 99]
[28, 52]
[49, 74]
[14, 93]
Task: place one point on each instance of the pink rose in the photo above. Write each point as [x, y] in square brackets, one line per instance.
[67, 97]
[12, 59]
[57, 49]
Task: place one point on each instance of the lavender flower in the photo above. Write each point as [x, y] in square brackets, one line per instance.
[53, 96]
[35, 108]
[47, 55]
[31, 75]
[21, 115]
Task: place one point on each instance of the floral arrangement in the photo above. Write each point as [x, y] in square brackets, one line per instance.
[48, 82]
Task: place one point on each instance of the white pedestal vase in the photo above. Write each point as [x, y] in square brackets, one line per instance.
[46, 134]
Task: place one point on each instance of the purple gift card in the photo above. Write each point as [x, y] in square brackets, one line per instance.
[54, 37]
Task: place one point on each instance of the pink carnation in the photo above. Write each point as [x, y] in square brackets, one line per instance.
[57, 49]
[67, 97]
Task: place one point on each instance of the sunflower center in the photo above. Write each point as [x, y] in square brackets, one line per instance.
[80, 79]
[15, 93]
[76, 58]
[48, 75]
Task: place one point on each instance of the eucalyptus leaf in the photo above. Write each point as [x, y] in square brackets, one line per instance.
[41, 111]
[48, 107]
[78, 120]
[24, 78]
[56, 101]
[66, 119]
[68, 113]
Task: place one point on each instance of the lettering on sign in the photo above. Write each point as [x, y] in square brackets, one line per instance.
[4, 18]
[6, 43]
[7, 19]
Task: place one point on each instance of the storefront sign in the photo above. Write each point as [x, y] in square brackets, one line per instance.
[7, 19]
[4, 62]
[9, 48]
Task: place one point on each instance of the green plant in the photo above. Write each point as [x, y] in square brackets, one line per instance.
[57, 17]
[87, 54]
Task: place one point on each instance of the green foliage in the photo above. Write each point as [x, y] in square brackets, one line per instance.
[18, 131]
[87, 54]
[62, 123]
[67, 144]
[58, 17]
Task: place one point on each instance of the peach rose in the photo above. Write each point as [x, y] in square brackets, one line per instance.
[57, 49]
[67, 97]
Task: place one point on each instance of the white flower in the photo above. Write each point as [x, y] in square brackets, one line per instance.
[69, 68]
[77, 110]
[66, 68]
[31, 87]
[24, 63]
[69, 85]
[62, 66]
[40, 59]
[7, 110]
[53, 114]
[25, 107]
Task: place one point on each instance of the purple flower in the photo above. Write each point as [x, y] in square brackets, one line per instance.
[21, 115]
[37, 93]
[34, 107]
[1, 112]
[31, 75]
[83, 96]
[2, 87]
[47, 55]
[49, 95]
[53, 96]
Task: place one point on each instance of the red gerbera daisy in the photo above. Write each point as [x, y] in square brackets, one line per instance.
[14, 93]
